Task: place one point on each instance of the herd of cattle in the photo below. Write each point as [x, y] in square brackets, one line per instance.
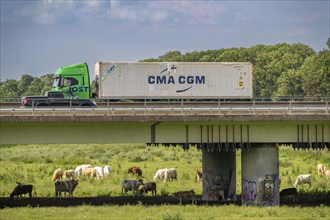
[66, 182]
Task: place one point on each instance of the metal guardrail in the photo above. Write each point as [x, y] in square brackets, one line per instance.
[179, 108]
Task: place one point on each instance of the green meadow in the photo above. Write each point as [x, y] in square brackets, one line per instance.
[35, 164]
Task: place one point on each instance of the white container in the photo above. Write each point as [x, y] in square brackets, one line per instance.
[168, 80]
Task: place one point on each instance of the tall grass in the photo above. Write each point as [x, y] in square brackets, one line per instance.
[35, 164]
[166, 212]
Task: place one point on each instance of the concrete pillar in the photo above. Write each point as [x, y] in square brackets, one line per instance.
[219, 175]
[260, 175]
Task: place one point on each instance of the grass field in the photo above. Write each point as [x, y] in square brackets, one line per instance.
[34, 164]
[167, 212]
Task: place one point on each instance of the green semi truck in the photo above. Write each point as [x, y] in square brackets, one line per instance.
[157, 80]
[73, 79]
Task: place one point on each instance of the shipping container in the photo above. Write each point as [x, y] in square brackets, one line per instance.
[173, 80]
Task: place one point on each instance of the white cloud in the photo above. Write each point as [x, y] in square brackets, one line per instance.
[298, 32]
[186, 12]
[192, 12]
[241, 17]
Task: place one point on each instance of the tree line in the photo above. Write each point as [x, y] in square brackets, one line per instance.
[278, 70]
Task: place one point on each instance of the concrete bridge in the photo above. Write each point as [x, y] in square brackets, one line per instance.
[218, 129]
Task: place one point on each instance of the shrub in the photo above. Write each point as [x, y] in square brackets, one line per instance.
[172, 216]
[164, 192]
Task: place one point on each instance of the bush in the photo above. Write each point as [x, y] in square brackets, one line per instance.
[164, 192]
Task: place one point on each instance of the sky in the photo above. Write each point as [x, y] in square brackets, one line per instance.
[39, 36]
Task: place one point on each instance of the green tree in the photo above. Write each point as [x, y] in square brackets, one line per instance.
[46, 83]
[316, 74]
[35, 87]
[290, 84]
[24, 83]
[171, 56]
[9, 89]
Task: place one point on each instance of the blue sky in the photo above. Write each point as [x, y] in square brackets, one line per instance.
[39, 36]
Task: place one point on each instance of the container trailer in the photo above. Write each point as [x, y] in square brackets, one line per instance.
[158, 80]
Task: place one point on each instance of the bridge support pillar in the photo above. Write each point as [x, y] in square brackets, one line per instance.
[260, 175]
[219, 173]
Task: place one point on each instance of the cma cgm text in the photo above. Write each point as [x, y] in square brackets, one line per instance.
[179, 79]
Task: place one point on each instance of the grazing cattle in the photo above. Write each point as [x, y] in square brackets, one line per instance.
[199, 175]
[92, 172]
[160, 174]
[135, 170]
[186, 194]
[290, 192]
[320, 169]
[21, 188]
[57, 174]
[100, 172]
[131, 185]
[69, 174]
[65, 186]
[327, 174]
[80, 169]
[215, 193]
[149, 187]
[302, 179]
[170, 174]
[106, 170]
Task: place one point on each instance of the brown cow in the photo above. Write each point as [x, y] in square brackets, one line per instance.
[320, 169]
[92, 172]
[135, 170]
[199, 175]
[58, 173]
[186, 194]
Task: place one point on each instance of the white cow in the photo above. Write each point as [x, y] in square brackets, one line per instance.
[160, 174]
[79, 169]
[170, 174]
[100, 172]
[327, 174]
[320, 169]
[106, 170]
[302, 179]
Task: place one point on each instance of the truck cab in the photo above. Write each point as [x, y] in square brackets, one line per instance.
[73, 79]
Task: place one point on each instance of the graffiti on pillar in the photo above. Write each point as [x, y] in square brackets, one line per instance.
[249, 190]
[268, 190]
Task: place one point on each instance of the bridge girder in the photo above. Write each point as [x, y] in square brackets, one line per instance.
[233, 134]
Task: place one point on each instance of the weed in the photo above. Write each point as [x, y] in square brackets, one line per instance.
[164, 192]
[172, 216]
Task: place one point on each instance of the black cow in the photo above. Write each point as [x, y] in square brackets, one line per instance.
[149, 187]
[21, 188]
[291, 192]
[65, 186]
